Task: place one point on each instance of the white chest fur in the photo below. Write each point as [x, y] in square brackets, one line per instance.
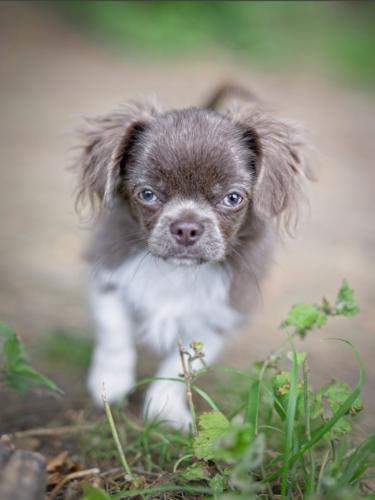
[171, 301]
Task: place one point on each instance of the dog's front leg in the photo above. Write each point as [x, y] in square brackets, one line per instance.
[114, 358]
[165, 399]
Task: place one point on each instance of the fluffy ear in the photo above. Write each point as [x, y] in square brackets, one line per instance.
[107, 145]
[279, 165]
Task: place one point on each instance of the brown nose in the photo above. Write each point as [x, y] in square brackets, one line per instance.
[186, 233]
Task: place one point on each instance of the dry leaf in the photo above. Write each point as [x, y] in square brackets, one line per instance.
[55, 478]
[57, 462]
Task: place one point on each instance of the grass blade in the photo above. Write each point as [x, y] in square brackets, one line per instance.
[323, 429]
[290, 418]
[252, 408]
[116, 438]
[206, 397]
[357, 460]
[253, 401]
[306, 404]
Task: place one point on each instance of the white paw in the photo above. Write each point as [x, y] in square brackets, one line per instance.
[114, 383]
[165, 401]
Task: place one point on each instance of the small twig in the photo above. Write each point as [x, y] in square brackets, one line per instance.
[52, 431]
[322, 467]
[116, 438]
[73, 475]
[188, 379]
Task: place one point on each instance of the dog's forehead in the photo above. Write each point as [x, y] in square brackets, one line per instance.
[194, 151]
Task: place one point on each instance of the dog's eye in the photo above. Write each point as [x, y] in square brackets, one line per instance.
[147, 196]
[232, 200]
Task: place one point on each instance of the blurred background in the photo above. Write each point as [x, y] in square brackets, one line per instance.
[311, 61]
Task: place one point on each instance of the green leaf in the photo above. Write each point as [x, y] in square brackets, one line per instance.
[212, 425]
[234, 443]
[254, 455]
[5, 331]
[195, 472]
[316, 406]
[240, 476]
[345, 304]
[218, 484]
[336, 393]
[23, 376]
[304, 317]
[13, 351]
[340, 429]
[93, 493]
[19, 374]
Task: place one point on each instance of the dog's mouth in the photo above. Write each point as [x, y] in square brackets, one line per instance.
[180, 256]
[186, 257]
[184, 261]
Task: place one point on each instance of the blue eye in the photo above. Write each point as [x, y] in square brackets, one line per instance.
[147, 195]
[232, 200]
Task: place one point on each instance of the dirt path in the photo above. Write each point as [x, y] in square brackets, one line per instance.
[49, 74]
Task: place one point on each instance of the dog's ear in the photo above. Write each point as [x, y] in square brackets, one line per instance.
[107, 144]
[277, 162]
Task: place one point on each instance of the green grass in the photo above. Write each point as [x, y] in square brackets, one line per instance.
[336, 36]
[277, 438]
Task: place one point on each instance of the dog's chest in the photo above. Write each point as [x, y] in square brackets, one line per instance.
[171, 301]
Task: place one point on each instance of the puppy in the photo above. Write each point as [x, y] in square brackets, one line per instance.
[189, 198]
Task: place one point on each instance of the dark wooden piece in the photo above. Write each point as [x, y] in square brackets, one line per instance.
[22, 475]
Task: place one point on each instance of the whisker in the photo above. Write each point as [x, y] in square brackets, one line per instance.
[111, 251]
[140, 264]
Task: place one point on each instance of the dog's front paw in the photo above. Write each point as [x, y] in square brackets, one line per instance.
[112, 383]
[165, 401]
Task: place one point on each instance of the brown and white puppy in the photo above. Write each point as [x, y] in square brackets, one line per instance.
[189, 200]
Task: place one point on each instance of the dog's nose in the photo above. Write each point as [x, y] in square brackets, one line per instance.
[186, 233]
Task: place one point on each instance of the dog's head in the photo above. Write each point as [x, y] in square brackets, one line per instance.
[191, 178]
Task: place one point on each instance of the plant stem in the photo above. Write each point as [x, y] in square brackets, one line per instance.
[310, 484]
[189, 391]
[322, 467]
[290, 420]
[115, 436]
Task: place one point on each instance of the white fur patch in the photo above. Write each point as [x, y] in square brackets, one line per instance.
[113, 363]
[172, 301]
[156, 302]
